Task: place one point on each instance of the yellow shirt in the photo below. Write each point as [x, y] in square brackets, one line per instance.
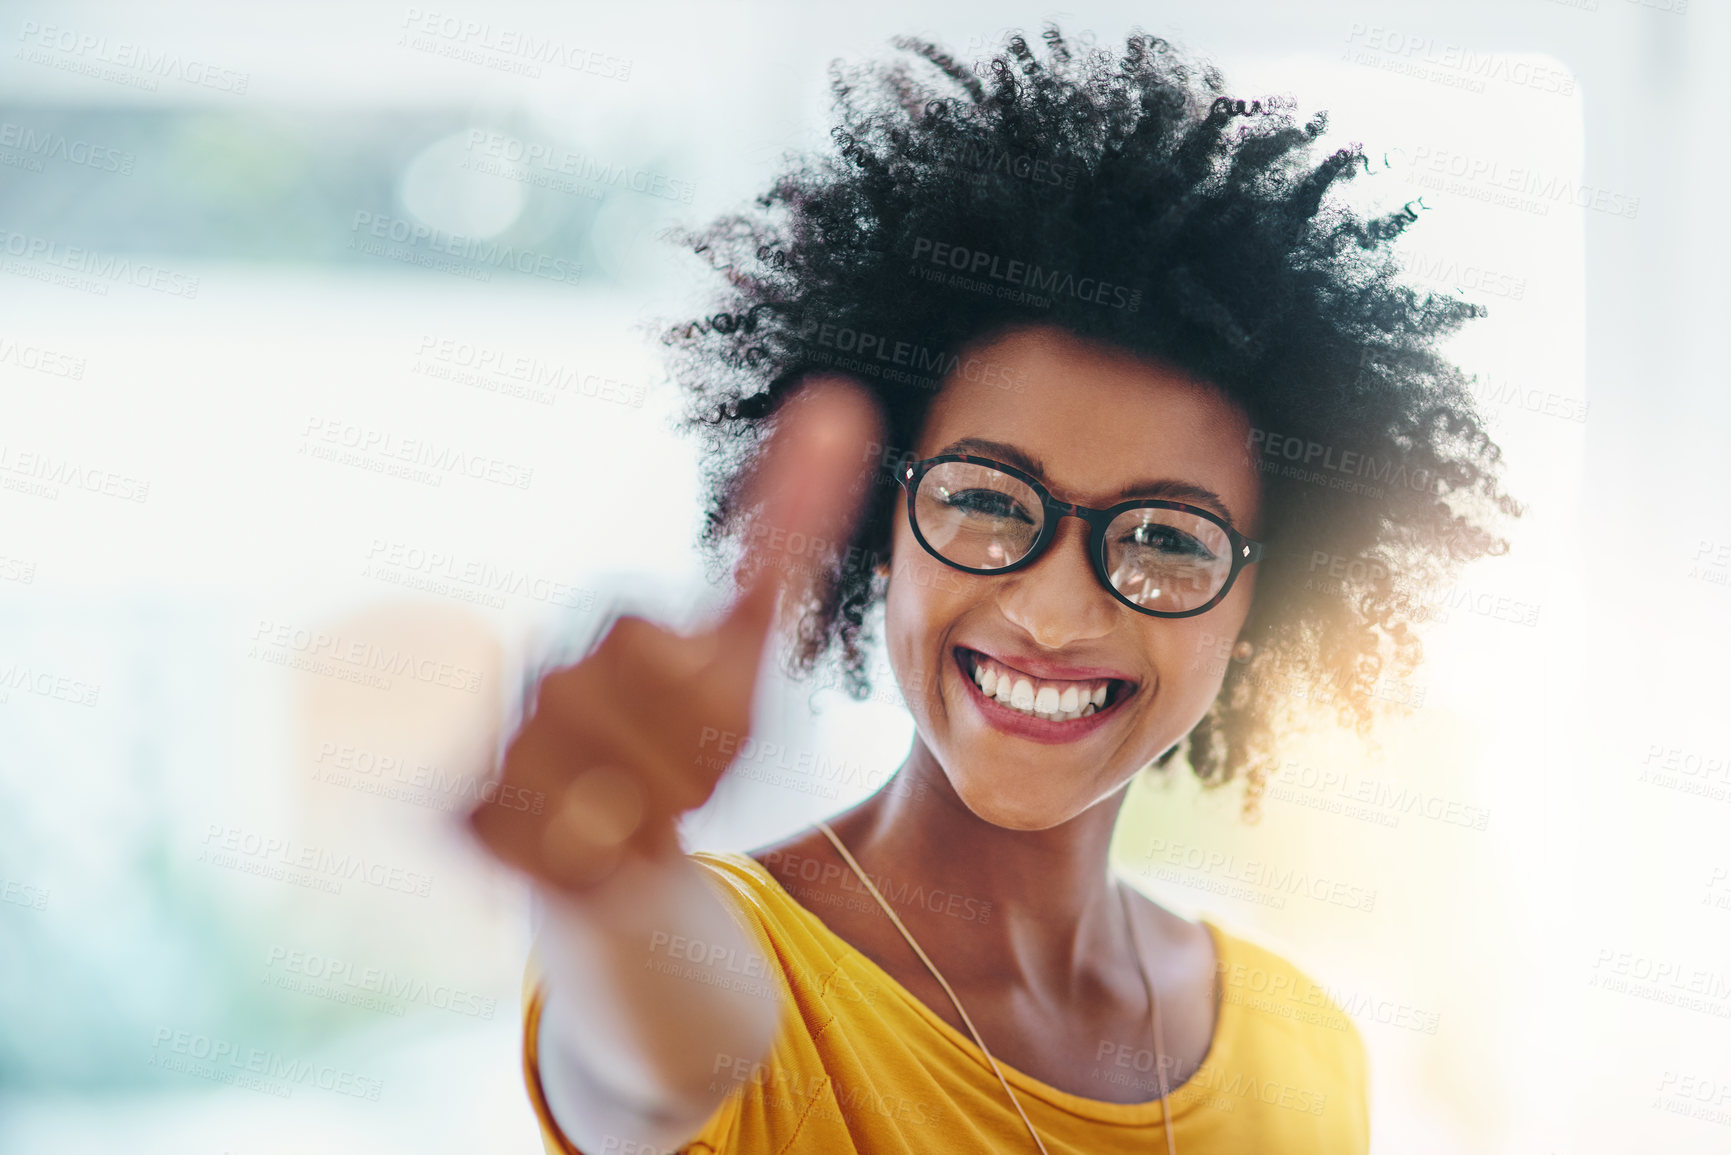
[865, 1067]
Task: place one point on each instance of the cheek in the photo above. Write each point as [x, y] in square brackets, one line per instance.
[1195, 663]
[925, 599]
[1200, 652]
[904, 614]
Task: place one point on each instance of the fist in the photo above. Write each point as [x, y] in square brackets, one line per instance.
[625, 741]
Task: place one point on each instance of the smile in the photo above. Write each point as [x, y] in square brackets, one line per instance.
[1044, 709]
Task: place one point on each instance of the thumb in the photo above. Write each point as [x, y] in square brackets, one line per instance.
[809, 487]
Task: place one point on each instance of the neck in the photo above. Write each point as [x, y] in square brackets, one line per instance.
[1055, 921]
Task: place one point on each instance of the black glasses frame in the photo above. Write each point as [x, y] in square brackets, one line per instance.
[1244, 551]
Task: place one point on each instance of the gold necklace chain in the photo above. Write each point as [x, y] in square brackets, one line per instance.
[1141, 967]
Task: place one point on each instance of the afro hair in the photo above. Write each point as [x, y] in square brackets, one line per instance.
[1205, 227]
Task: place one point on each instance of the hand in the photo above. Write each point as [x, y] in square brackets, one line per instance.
[628, 739]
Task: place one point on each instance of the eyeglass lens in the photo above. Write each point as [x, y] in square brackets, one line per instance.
[1161, 559]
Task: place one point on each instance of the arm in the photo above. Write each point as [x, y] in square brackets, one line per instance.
[620, 745]
[628, 1052]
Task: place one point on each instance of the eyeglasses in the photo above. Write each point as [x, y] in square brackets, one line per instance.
[1160, 557]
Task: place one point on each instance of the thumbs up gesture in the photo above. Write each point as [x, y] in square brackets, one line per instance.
[623, 742]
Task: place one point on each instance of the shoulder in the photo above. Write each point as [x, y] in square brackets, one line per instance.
[748, 888]
[789, 933]
[1286, 1014]
[744, 876]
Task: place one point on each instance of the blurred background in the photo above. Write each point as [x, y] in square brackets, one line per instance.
[294, 490]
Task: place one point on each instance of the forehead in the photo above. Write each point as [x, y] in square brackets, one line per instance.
[1097, 417]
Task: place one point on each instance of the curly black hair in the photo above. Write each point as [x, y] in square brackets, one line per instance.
[1203, 225]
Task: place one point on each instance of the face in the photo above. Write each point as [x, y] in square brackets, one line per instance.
[1093, 419]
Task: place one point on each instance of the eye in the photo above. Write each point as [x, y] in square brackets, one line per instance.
[987, 503]
[1167, 540]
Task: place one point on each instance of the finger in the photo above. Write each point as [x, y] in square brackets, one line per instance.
[811, 483]
[559, 741]
[594, 803]
[624, 707]
[598, 813]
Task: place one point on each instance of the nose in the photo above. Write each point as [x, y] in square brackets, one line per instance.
[1057, 599]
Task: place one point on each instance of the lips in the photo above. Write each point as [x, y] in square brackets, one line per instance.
[1031, 703]
[1040, 672]
[1052, 671]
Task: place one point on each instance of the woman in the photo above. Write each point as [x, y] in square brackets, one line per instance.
[1068, 364]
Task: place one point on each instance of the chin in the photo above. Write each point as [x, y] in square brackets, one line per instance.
[990, 801]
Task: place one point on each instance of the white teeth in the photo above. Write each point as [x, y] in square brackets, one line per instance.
[1049, 702]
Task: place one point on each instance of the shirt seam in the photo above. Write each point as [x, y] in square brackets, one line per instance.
[804, 1115]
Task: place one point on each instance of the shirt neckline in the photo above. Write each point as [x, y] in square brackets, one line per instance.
[1181, 1099]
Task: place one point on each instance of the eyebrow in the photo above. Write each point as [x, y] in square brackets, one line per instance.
[1165, 488]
